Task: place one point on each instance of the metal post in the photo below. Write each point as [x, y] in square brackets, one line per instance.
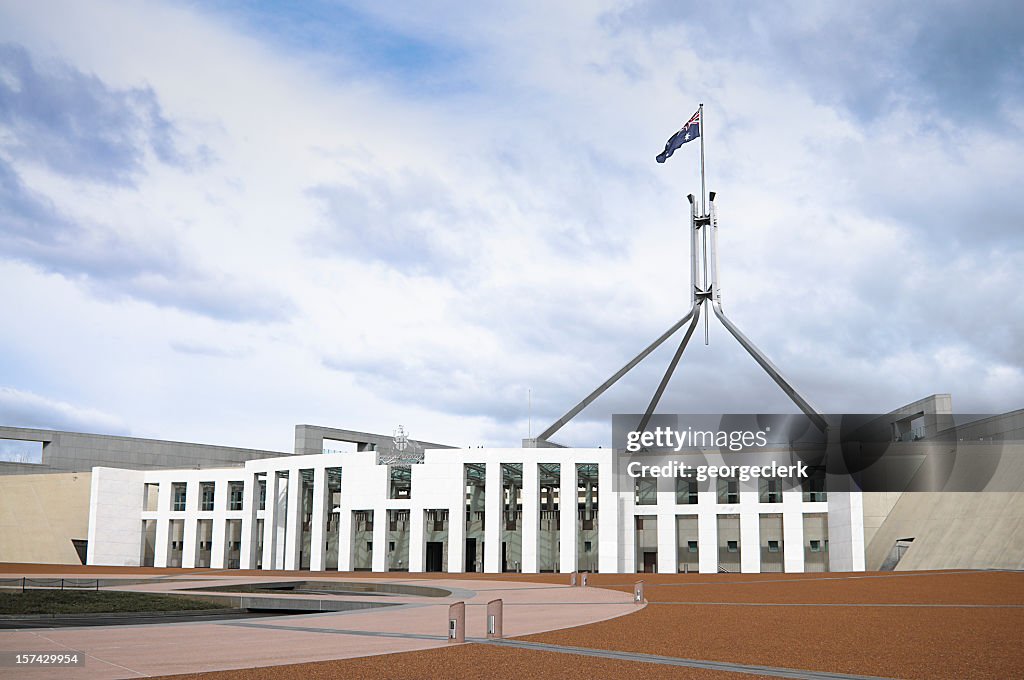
[583, 579]
[494, 619]
[703, 190]
[457, 622]
[638, 593]
[668, 372]
[574, 411]
[573, 578]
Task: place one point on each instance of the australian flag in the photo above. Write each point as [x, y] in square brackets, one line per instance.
[688, 133]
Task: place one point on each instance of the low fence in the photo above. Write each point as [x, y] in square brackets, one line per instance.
[26, 583]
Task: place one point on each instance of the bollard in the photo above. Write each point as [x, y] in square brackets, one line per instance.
[457, 622]
[572, 578]
[583, 579]
[638, 593]
[494, 616]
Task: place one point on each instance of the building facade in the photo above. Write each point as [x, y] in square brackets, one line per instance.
[462, 510]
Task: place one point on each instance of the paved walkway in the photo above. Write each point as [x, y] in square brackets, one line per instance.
[416, 623]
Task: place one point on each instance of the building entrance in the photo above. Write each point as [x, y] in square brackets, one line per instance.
[435, 553]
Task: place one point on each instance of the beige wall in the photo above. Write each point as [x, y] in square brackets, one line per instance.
[955, 530]
[40, 514]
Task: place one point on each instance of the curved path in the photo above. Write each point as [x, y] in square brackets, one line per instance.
[415, 623]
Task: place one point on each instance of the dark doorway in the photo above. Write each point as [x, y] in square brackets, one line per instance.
[435, 553]
[504, 556]
[82, 548]
[650, 562]
[470, 555]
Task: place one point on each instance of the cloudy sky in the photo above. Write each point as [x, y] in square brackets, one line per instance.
[218, 220]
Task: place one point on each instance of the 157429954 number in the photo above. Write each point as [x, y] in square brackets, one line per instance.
[69, 658]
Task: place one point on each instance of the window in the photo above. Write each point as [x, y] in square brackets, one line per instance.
[691, 546]
[206, 493]
[646, 491]
[235, 493]
[814, 485]
[815, 546]
[178, 496]
[773, 546]
[263, 494]
[400, 485]
[686, 491]
[733, 546]
[771, 490]
[728, 490]
[369, 545]
[437, 519]
[149, 497]
[398, 520]
[587, 546]
[364, 520]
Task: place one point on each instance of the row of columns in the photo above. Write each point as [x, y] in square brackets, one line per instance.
[748, 510]
[282, 523]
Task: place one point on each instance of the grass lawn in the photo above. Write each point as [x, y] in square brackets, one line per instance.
[90, 601]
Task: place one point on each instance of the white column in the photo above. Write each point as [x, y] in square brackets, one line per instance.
[492, 518]
[567, 517]
[188, 557]
[792, 532]
[163, 525]
[220, 524]
[250, 503]
[344, 534]
[707, 533]
[607, 519]
[318, 525]
[627, 502]
[417, 547]
[380, 540]
[668, 558]
[457, 531]
[750, 533]
[271, 512]
[531, 516]
[293, 535]
[846, 531]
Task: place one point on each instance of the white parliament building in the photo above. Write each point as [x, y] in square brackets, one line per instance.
[350, 501]
[460, 510]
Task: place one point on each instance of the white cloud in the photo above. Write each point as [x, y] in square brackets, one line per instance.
[25, 409]
[361, 253]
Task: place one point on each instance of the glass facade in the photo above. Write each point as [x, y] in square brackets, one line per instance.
[586, 516]
[549, 477]
[206, 496]
[512, 517]
[688, 543]
[729, 543]
[475, 478]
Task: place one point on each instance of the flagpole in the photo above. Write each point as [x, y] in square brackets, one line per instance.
[704, 211]
[703, 189]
